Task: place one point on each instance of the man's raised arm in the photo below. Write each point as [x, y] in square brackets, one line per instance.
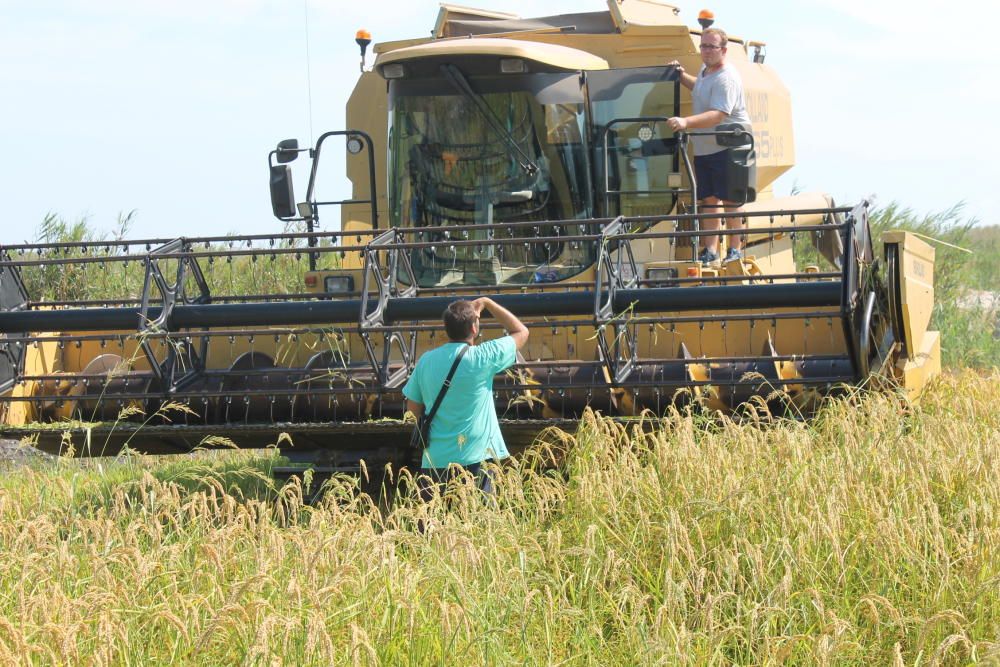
[508, 320]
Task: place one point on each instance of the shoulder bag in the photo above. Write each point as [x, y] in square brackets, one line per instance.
[421, 436]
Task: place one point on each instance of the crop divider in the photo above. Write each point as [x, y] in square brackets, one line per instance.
[182, 363]
[615, 270]
[13, 297]
[383, 263]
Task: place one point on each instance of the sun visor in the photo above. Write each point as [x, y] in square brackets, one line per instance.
[644, 15]
[551, 57]
[588, 23]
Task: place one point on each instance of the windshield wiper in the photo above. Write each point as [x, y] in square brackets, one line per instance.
[461, 84]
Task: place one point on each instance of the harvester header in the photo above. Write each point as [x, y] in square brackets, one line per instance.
[527, 159]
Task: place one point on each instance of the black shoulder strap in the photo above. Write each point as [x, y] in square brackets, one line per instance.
[446, 385]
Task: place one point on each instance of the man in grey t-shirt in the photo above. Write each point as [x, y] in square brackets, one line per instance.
[717, 97]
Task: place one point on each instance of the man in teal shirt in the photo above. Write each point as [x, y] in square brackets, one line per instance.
[465, 430]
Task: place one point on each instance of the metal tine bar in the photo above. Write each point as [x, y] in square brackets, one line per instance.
[425, 244]
[680, 384]
[150, 243]
[375, 389]
[529, 288]
[582, 322]
[646, 362]
[228, 298]
[225, 298]
[535, 240]
[59, 261]
[500, 242]
[318, 250]
[339, 372]
[232, 298]
[639, 219]
[121, 339]
[734, 317]
[473, 289]
[312, 374]
[342, 372]
[743, 317]
[514, 287]
[119, 243]
[754, 278]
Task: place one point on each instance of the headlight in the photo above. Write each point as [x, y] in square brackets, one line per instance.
[662, 276]
[393, 71]
[512, 66]
[354, 145]
[338, 284]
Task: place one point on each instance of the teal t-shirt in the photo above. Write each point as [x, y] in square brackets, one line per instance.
[465, 429]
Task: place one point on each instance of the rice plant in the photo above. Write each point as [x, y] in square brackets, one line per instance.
[867, 536]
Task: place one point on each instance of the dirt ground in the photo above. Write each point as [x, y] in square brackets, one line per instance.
[12, 451]
[980, 299]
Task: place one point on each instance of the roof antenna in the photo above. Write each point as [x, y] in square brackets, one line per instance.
[309, 92]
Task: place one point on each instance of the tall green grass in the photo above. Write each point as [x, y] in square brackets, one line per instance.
[967, 257]
[239, 275]
[967, 260]
[869, 536]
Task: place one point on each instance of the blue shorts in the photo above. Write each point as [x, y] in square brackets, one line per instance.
[710, 172]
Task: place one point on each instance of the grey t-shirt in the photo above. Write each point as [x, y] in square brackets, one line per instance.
[722, 90]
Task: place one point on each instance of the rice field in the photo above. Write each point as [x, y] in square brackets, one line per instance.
[870, 535]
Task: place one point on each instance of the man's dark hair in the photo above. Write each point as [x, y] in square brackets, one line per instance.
[459, 318]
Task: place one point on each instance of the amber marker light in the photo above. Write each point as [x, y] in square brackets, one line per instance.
[363, 38]
[706, 17]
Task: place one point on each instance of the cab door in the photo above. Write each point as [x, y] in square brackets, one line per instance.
[636, 161]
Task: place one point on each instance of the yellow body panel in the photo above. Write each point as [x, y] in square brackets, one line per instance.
[652, 34]
[916, 287]
[41, 359]
[926, 363]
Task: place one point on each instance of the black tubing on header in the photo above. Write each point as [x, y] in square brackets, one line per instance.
[658, 300]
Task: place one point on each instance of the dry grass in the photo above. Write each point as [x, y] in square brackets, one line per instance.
[869, 536]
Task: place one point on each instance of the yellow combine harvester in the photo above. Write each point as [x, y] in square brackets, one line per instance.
[525, 159]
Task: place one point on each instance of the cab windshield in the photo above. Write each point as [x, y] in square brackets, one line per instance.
[491, 149]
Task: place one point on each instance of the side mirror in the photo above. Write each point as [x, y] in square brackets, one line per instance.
[282, 194]
[287, 150]
[741, 175]
[732, 135]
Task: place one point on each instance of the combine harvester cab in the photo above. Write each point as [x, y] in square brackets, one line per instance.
[524, 159]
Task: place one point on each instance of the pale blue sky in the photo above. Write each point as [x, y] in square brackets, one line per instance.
[170, 107]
